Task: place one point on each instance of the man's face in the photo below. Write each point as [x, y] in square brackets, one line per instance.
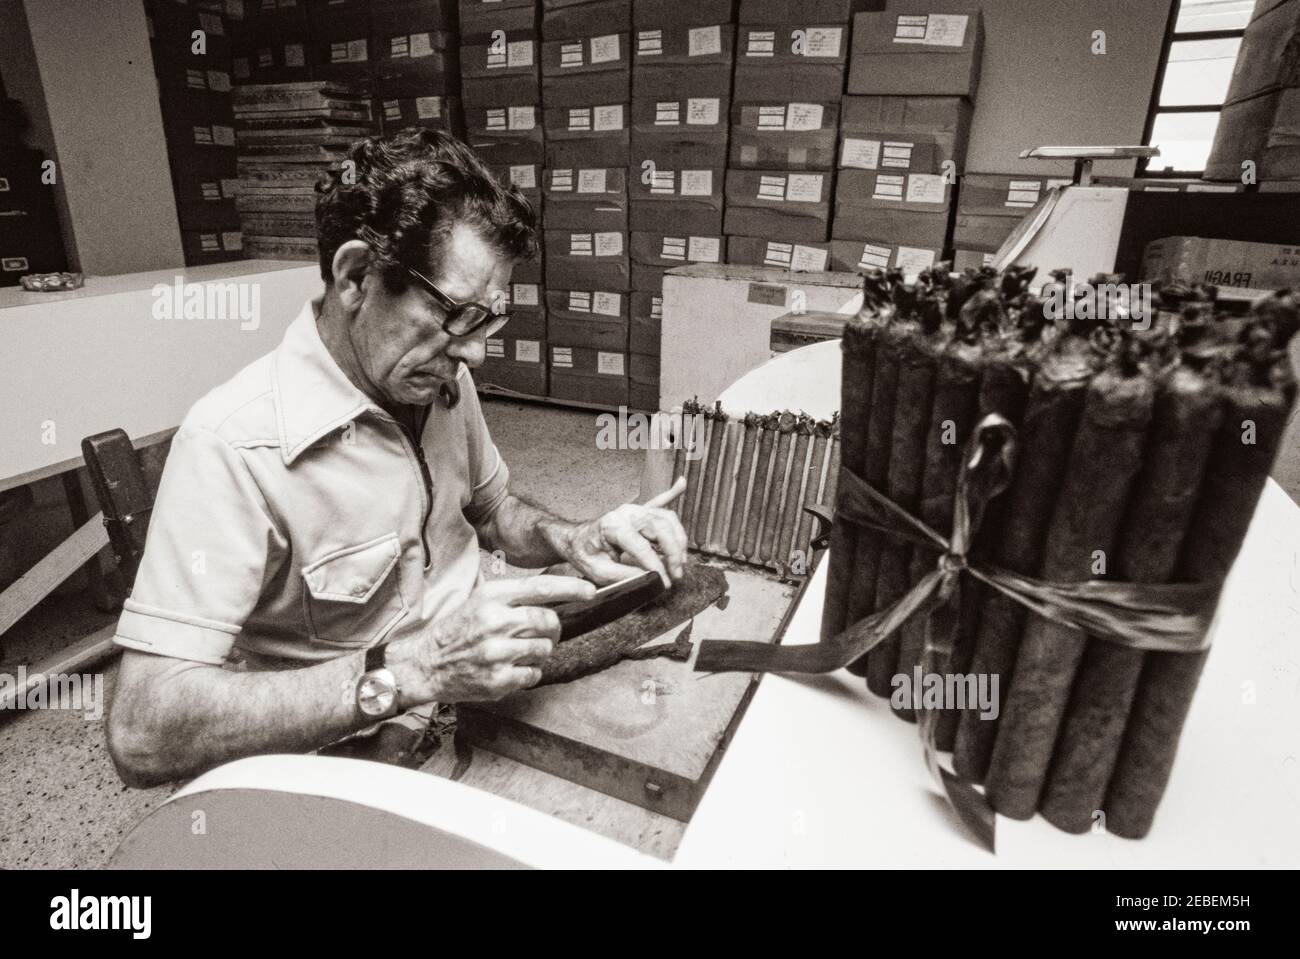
[399, 340]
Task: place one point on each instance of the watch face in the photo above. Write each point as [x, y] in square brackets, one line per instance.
[375, 695]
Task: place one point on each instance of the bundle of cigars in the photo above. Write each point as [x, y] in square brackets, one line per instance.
[749, 481]
[1143, 445]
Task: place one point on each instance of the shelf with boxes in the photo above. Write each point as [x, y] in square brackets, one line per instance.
[192, 48]
[904, 130]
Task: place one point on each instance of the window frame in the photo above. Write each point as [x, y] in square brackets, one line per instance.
[1155, 110]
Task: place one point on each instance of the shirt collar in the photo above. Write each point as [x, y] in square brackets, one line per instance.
[313, 396]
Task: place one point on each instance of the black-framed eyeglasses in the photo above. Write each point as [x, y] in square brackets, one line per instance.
[462, 319]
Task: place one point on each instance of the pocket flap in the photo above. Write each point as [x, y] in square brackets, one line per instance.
[352, 574]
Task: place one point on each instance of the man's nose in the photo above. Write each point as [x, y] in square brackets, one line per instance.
[470, 350]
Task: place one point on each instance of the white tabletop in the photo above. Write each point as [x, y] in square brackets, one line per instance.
[821, 774]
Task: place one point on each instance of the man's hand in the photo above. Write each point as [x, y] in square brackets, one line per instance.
[491, 646]
[647, 535]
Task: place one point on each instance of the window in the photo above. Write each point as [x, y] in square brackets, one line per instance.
[1200, 50]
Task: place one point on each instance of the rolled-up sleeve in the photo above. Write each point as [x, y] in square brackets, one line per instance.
[489, 475]
[210, 545]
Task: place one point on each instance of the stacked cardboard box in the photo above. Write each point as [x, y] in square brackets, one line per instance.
[991, 207]
[790, 66]
[30, 241]
[683, 58]
[898, 158]
[1260, 122]
[271, 45]
[287, 134]
[585, 58]
[191, 46]
[913, 74]
[416, 69]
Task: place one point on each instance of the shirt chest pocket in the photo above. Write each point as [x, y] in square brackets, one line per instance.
[353, 596]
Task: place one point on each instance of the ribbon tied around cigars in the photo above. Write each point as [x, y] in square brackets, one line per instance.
[1150, 617]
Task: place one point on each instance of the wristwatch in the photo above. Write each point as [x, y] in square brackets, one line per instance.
[377, 687]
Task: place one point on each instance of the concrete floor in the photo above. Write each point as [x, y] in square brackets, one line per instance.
[61, 803]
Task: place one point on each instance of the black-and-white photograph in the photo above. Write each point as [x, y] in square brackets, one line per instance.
[651, 435]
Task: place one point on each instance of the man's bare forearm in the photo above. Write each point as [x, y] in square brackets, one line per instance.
[173, 719]
[529, 535]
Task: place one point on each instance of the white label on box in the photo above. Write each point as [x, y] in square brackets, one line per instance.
[571, 55]
[609, 244]
[808, 259]
[399, 47]
[562, 356]
[673, 248]
[210, 190]
[234, 240]
[704, 249]
[609, 364]
[703, 111]
[874, 256]
[778, 254]
[522, 118]
[608, 117]
[562, 180]
[294, 55]
[580, 118]
[896, 155]
[822, 42]
[668, 113]
[209, 243]
[496, 118]
[663, 181]
[203, 135]
[519, 53]
[579, 301]
[607, 304]
[697, 183]
[392, 110]
[265, 58]
[223, 136]
[428, 108]
[196, 79]
[650, 43]
[925, 188]
[241, 69]
[524, 294]
[421, 45]
[889, 186]
[357, 52]
[912, 260]
[524, 176]
[761, 43]
[860, 154]
[656, 307]
[946, 30]
[910, 28]
[804, 187]
[771, 187]
[219, 80]
[496, 349]
[704, 41]
[591, 181]
[496, 60]
[580, 244]
[1161, 189]
[528, 351]
[803, 116]
[211, 23]
[605, 49]
[771, 118]
[1022, 193]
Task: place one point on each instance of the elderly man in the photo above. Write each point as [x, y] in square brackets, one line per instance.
[320, 515]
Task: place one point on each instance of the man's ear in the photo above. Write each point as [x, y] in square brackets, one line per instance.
[351, 263]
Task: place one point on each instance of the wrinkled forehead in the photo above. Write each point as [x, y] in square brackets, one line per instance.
[472, 268]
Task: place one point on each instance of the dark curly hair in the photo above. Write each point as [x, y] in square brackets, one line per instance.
[402, 194]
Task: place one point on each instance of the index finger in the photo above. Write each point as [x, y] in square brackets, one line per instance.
[668, 495]
[538, 590]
